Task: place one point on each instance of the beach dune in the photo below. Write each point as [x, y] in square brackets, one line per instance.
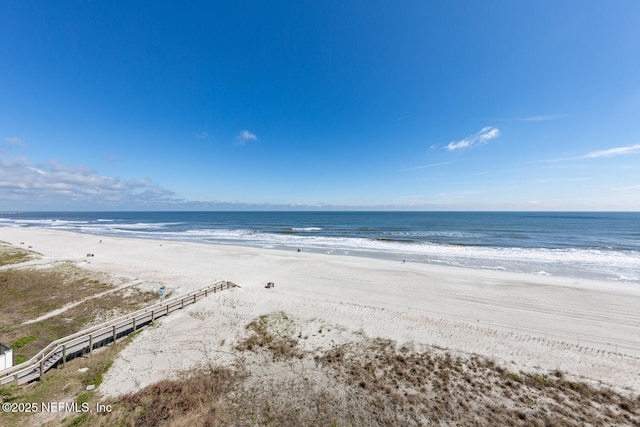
[525, 322]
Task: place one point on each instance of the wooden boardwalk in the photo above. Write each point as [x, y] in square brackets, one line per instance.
[83, 342]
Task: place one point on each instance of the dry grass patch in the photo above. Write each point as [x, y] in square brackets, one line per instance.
[40, 334]
[373, 383]
[203, 399]
[436, 387]
[271, 333]
[10, 254]
[30, 293]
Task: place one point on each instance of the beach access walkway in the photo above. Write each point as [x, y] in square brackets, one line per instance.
[84, 342]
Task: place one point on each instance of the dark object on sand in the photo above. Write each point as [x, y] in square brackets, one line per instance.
[270, 285]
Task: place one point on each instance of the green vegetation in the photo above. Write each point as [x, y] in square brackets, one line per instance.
[8, 392]
[19, 358]
[64, 284]
[23, 341]
[93, 376]
[13, 255]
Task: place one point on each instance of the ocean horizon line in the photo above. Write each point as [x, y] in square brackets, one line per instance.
[355, 210]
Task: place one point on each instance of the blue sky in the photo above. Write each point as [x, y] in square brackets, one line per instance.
[469, 105]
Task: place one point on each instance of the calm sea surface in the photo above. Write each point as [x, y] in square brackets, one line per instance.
[599, 245]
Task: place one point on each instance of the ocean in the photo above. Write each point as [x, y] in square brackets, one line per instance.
[593, 245]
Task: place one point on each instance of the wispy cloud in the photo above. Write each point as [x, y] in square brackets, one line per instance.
[23, 182]
[202, 135]
[36, 170]
[432, 165]
[633, 149]
[611, 152]
[485, 135]
[545, 117]
[245, 136]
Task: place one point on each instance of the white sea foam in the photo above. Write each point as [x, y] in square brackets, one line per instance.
[477, 256]
[49, 223]
[592, 263]
[436, 234]
[434, 251]
[145, 225]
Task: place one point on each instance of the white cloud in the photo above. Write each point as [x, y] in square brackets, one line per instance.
[614, 152]
[53, 184]
[245, 136]
[485, 135]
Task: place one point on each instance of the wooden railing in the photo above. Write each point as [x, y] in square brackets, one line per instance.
[80, 343]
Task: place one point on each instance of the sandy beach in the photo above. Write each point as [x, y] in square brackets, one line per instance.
[589, 329]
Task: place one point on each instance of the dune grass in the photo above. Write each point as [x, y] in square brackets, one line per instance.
[10, 254]
[374, 383]
[30, 293]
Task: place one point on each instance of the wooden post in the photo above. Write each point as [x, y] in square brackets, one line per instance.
[194, 298]
[182, 303]
[153, 315]
[134, 324]
[41, 369]
[115, 335]
[206, 292]
[64, 355]
[167, 309]
[90, 342]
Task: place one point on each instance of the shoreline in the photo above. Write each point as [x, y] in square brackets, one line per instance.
[585, 327]
[593, 246]
[542, 262]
